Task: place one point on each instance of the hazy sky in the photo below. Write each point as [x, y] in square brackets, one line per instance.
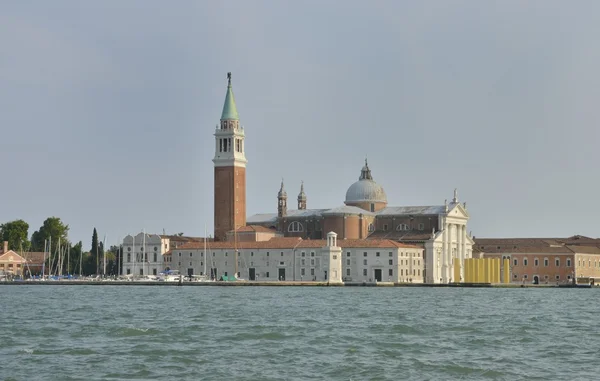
[108, 108]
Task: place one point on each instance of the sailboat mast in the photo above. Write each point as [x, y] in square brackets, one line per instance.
[80, 259]
[44, 261]
[69, 260]
[205, 253]
[104, 256]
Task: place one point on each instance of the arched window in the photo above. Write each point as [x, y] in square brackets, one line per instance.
[128, 257]
[295, 227]
[371, 228]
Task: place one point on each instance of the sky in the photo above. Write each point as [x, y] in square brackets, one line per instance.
[108, 109]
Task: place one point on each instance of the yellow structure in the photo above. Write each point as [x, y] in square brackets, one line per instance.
[456, 263]
[506, 272]
[481, 270]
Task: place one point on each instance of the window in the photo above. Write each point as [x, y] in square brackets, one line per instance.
[365, 262]
[128, 257]
[557, 262]
[312, 261]
[348, 262]
[128, 271]
[252, 254]
[302, 272]
[295, 227]
[545, 262]
[303, 262]
[515, 262]
[365, 272]
[190, 263]
[267, 253]
[525, 261]
[347, 254]
[401, 271]
[391, 272]
[377, 254]
[282, 253]
[365, 254]
[536, 262]
[525, 276]
[421, 226]
[385, 227]
[267, 274]
[391, 262]
[335, 257]
[190, 254]
[390, 254]
[281, 263]
[372, 207]
[515, 276]
[371, 228]
[312, 254]
[347, 272]
[303, 254]
[312, 271]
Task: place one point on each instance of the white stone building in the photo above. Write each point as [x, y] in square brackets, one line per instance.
[143, 254]
[295, 259]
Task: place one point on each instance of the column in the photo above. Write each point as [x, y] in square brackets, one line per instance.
[444, 254]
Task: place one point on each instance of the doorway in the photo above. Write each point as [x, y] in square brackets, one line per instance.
[378, 275]
[281, 274]
[325, 275]
[252, 273]
[536, 280]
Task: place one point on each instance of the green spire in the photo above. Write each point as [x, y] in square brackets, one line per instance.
[229, 109]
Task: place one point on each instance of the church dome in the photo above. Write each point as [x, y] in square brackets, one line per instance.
[365, 189]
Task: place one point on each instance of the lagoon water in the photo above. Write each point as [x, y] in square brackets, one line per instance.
[297, 333]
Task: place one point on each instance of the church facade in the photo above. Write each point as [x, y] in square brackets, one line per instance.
[441, 230]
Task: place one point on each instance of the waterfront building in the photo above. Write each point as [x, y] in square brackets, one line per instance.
[143, 254]
[441, 230]
[294, 258]
[11, 263]
[21, 264]
[545, 260]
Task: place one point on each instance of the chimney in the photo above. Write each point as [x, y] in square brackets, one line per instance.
[5, 247]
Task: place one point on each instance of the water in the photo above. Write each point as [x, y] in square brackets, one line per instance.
[296, 333]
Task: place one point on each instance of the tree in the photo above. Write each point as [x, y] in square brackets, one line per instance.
[97, 251]
[76, 258]
[114, 258]
[52, 228]
[16, 232]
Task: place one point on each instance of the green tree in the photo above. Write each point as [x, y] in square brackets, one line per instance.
[76, 258]
[52, 228]
[114, 258]
[16, 233]
[97, 251]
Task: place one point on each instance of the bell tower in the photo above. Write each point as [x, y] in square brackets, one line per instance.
[281, 202]
[230, 169]
[301, 198]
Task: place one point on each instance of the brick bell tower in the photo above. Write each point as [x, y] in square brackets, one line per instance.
[230, 169]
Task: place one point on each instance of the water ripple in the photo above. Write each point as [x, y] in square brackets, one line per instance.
[269, 333]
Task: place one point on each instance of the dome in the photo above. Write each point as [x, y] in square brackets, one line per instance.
[365, 189]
